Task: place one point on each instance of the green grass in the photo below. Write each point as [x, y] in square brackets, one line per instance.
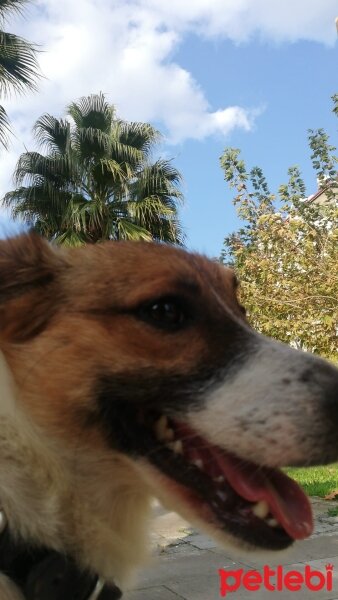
[316, 481]
[333, 512]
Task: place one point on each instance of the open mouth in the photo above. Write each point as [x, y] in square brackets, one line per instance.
[259, 505]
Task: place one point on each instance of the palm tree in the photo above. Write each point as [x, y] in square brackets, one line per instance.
[96, 180]
[18, 65]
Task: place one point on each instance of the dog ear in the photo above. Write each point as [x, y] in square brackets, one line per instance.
[29, 268]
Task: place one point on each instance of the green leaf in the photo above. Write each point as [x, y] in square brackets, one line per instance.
[96, 180]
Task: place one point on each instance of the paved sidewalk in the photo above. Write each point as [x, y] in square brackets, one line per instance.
[186, 563]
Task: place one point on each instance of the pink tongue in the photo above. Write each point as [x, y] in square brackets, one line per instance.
[287, 502]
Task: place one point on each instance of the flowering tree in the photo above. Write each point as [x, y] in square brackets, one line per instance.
[286, 252]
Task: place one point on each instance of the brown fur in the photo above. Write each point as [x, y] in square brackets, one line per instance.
[63, 320]
[66, 317]
[83, 308]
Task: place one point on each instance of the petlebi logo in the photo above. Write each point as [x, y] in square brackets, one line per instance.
[276, 579]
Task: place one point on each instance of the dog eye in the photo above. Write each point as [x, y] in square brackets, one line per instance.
[166, 313]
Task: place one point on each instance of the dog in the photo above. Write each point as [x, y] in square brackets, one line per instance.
[128, 370]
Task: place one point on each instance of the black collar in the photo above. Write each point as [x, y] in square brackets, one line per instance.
[43, 574]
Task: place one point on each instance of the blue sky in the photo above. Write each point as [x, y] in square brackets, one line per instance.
[208, 73]
[293, 85]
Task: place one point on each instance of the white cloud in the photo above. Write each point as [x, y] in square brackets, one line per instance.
[239, 20]
[126, 49]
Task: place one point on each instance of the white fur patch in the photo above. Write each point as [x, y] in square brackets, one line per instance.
[261, 411]
[91, 505]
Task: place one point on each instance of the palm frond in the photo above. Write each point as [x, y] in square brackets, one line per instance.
[4, 128]
[19, 68]
[171, 232]
[92, 112]
[160, 180]
[96, 181]
[155, 216]
[126, 153]
[149, 210]
[75, 216]
[127, 230]
[90, 143]
[70, 238]
[140, 136]
[110, 174]
[8, 7]
[37, 201]
[33, 166]
[52, 134]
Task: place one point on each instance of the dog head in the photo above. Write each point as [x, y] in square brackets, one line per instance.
[143, 350]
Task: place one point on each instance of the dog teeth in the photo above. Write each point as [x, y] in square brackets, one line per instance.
[272, 522]
[175, 447]
[3, 521]
[221, 496]
[261, 509]
[198, 463]
[163, 432]
[219, 479]
[178, 447]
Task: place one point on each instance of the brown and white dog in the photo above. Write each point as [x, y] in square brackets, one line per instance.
[128, 370]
